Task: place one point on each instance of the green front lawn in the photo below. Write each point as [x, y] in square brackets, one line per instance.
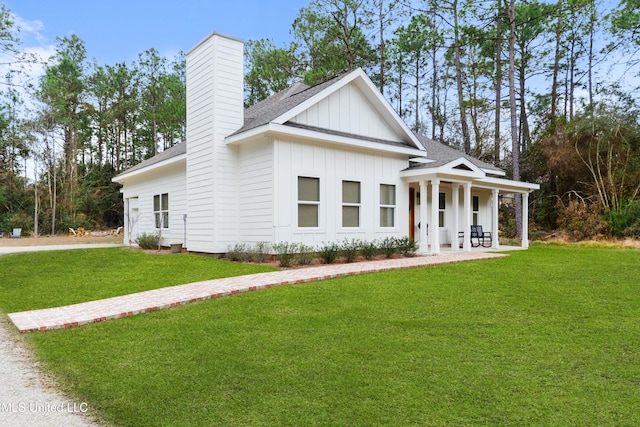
[50, 279]
[550, 336]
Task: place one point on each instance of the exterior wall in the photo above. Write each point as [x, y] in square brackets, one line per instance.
[139, 192]
[214, 111]
[256, 181]
[332, 166]
[347, 110]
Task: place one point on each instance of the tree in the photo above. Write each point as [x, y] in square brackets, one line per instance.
[413, 43]
[331, 36]
[62, 89]
[269, 69]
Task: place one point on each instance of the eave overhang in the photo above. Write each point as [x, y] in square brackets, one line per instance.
[275, 130]
[127, 176]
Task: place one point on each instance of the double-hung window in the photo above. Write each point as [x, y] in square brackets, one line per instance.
[161, 210]
[350, 204]
[387, 205]
[442, 206]
[476, 209]
[308, 201]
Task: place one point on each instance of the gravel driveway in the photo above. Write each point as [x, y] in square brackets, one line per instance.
[27, 397]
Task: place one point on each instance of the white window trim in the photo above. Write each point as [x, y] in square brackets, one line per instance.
[442, 212]
[380, 206]
[160, 212]
[344, 204]
[297, 202]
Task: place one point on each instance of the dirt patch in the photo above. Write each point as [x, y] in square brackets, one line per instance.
[59, 240]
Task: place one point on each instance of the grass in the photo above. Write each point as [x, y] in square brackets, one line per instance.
[550, 336]
[49, 279]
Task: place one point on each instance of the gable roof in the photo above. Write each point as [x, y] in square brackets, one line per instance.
[280, 110]
[442, 154]
[269, 109]
[284, 105]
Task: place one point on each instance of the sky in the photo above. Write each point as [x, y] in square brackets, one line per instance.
[118, 30]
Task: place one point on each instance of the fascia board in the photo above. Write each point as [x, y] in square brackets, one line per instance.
[129, 175]
[507, 185]
[443, 173]
[273, 129]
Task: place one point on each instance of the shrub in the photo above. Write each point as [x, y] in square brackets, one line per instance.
[389, 246]
[350, 249]
[259, 252]
[285, 252]
[305, 255]
[625, 221]
[369, 249]
[329, 252]
[406, 246]
[238, 253]
[581, 218]
[149, 241]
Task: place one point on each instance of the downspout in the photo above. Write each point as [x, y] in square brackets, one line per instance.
[184, 220]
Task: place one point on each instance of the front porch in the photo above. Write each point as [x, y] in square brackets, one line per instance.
[450, 205]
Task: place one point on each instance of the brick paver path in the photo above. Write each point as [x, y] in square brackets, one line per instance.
[157, 299]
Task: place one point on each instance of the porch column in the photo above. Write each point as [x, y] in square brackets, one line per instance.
[525, 220]
[466, 209]
[424, 244]
[495, 223]
[455, 202]
[435, 223]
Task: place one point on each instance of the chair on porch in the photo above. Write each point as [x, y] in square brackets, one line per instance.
[482, 238]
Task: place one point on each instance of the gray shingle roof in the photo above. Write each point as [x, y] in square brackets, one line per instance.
[167, 154]
[273, 107]
[443, 154]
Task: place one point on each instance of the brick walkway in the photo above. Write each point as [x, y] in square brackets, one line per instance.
[157, 299]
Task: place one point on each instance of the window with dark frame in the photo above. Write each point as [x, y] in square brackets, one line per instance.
[476, 209]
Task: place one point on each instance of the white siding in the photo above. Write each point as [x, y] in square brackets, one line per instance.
[256, 192]
[332, 166]
[214, 111]
[347, 110]
[140, 192]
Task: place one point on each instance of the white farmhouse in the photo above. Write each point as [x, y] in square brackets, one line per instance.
[307, 165]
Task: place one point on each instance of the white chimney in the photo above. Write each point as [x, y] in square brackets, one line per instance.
[215, 110]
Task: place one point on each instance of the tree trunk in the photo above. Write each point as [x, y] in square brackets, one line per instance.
[515, 149]
[381, 49]
[556, 65]
[496, 141]
[463, 114]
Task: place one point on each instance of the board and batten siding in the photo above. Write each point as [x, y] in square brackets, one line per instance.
[256, 192]
[333, 165]
[347, 110]
[170, 180]
[214, 111]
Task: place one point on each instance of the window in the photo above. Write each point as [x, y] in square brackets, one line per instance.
[387, 205]
[476, 209]
[442, 205]
[350, 204]
[308, 201]
[161, 210]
